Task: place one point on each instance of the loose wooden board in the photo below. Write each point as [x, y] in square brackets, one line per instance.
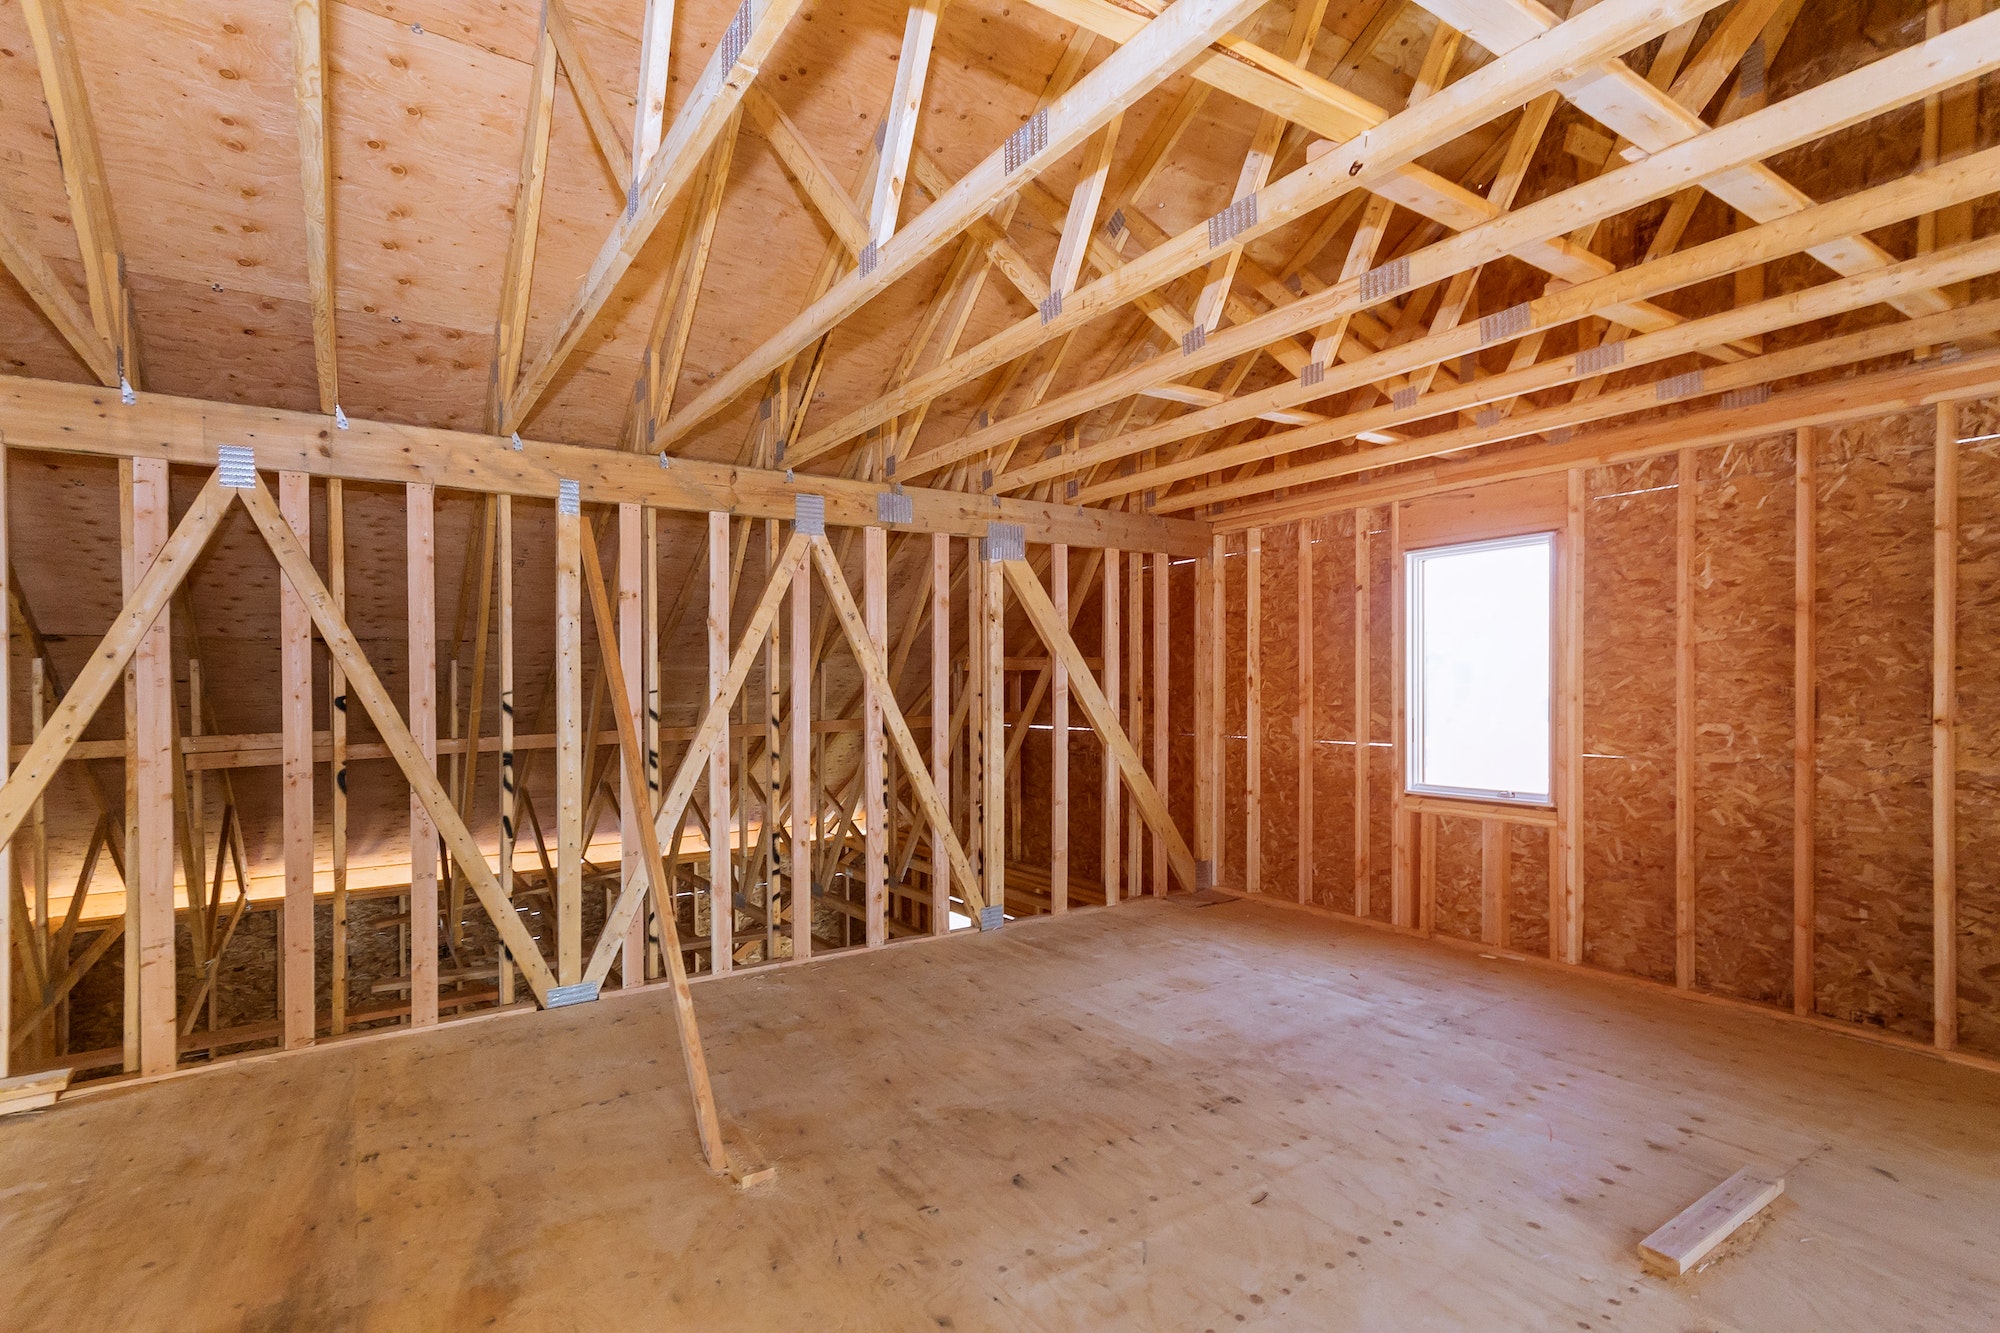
[1704, 1224]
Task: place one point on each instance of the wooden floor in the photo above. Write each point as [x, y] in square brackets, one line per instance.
[1155, 1117]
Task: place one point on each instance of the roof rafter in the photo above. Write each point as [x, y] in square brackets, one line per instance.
[316, 183]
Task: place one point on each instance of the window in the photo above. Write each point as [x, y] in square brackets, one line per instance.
[1481, 669]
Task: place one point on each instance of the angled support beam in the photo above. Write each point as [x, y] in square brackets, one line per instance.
[418, 769]
[52, 298]
[316, 183]
[598, 116]
[510, 330]
[807, 170]
[673, 321]
[1102, 713]
[899, 132]
[1129, 74]
[708, 113]
[83, 179]
[650, 113]
[693, 1060]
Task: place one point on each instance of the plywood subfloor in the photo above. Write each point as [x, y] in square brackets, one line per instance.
[1155, 1116]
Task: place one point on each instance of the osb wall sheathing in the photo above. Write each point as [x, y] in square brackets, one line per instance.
[1333, 733]
[1528, 901]
[1280, 795]
[1872, 831]
[1979, 731]
[1743, 720]
[1627, 826]
[1457, 860]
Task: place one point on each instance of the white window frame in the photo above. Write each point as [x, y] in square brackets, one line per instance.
[1413, 666]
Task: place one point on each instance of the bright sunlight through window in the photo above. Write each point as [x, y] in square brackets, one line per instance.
[1480, 665]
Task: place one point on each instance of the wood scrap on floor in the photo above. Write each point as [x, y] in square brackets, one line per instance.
[32, 1092]
[1683, 1243]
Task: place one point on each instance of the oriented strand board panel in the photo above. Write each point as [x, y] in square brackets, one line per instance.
[1628, 719]
[1333, 711]
[1281, 708]
[1872, 820]
[1381, 699]
[1528, 910]
[1743, 720]
[1979, 733]
[1457, 853]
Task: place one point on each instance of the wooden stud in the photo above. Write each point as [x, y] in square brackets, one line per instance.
[570, 743]
[1402, 907]
[634, 804]
[296, 712]
[1304, 725]
[874, 783]
[721, 888]
[1058, 743]
[1218, 657]
[1944, 732]
[336, 714]
[1135, 710]
[1687, 481]
[804, 816]
[1495, 881]
[151, 854]
[1253, 711]
[1162, 662]
[993, 643]
[1205, 726]
[1427, 847]
[1805, 718]
[1363, 712]
[941, 747]
[1111, 831]
[505, 770]
[7, 986]
[421, 543]
[1569, 723]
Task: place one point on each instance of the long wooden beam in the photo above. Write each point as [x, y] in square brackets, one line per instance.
[85, 419]
[1904, 389]
[49, 294]
[1049, 136]
[316, 184]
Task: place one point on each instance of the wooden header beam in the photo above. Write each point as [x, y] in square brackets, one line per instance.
[87, 419]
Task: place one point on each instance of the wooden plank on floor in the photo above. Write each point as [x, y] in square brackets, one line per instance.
[1692, 1236]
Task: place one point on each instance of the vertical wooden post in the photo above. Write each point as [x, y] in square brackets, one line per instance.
[150, 857]
[975, 706]
[296, 714]
[1687, 473]
[1253, 711]
[1305, 723]
[6, 756]
[649, 650]
[993, 638]
[940, 724]
[570, 741]
[1112, 825]
[803, 813]
[1944, 733]
[1058, 741]
[1495, 874]
[721, 890]
[1402, 905]
[874, 793]
[1162, 662]
[421, 540]
[1805, 720]
[633, 806]
[1364, 710]
[771, 787]
[1427, 877]
[336, 721]
[1569, 757]
[1135, 682]
[1218, 684]
[504, 519]
[1204, 712]
[129, 566]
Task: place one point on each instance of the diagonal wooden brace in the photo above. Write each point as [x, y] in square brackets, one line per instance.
[365, 685]
[106, 668]
[915, 763]
[713, 721]
[1048, 623]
